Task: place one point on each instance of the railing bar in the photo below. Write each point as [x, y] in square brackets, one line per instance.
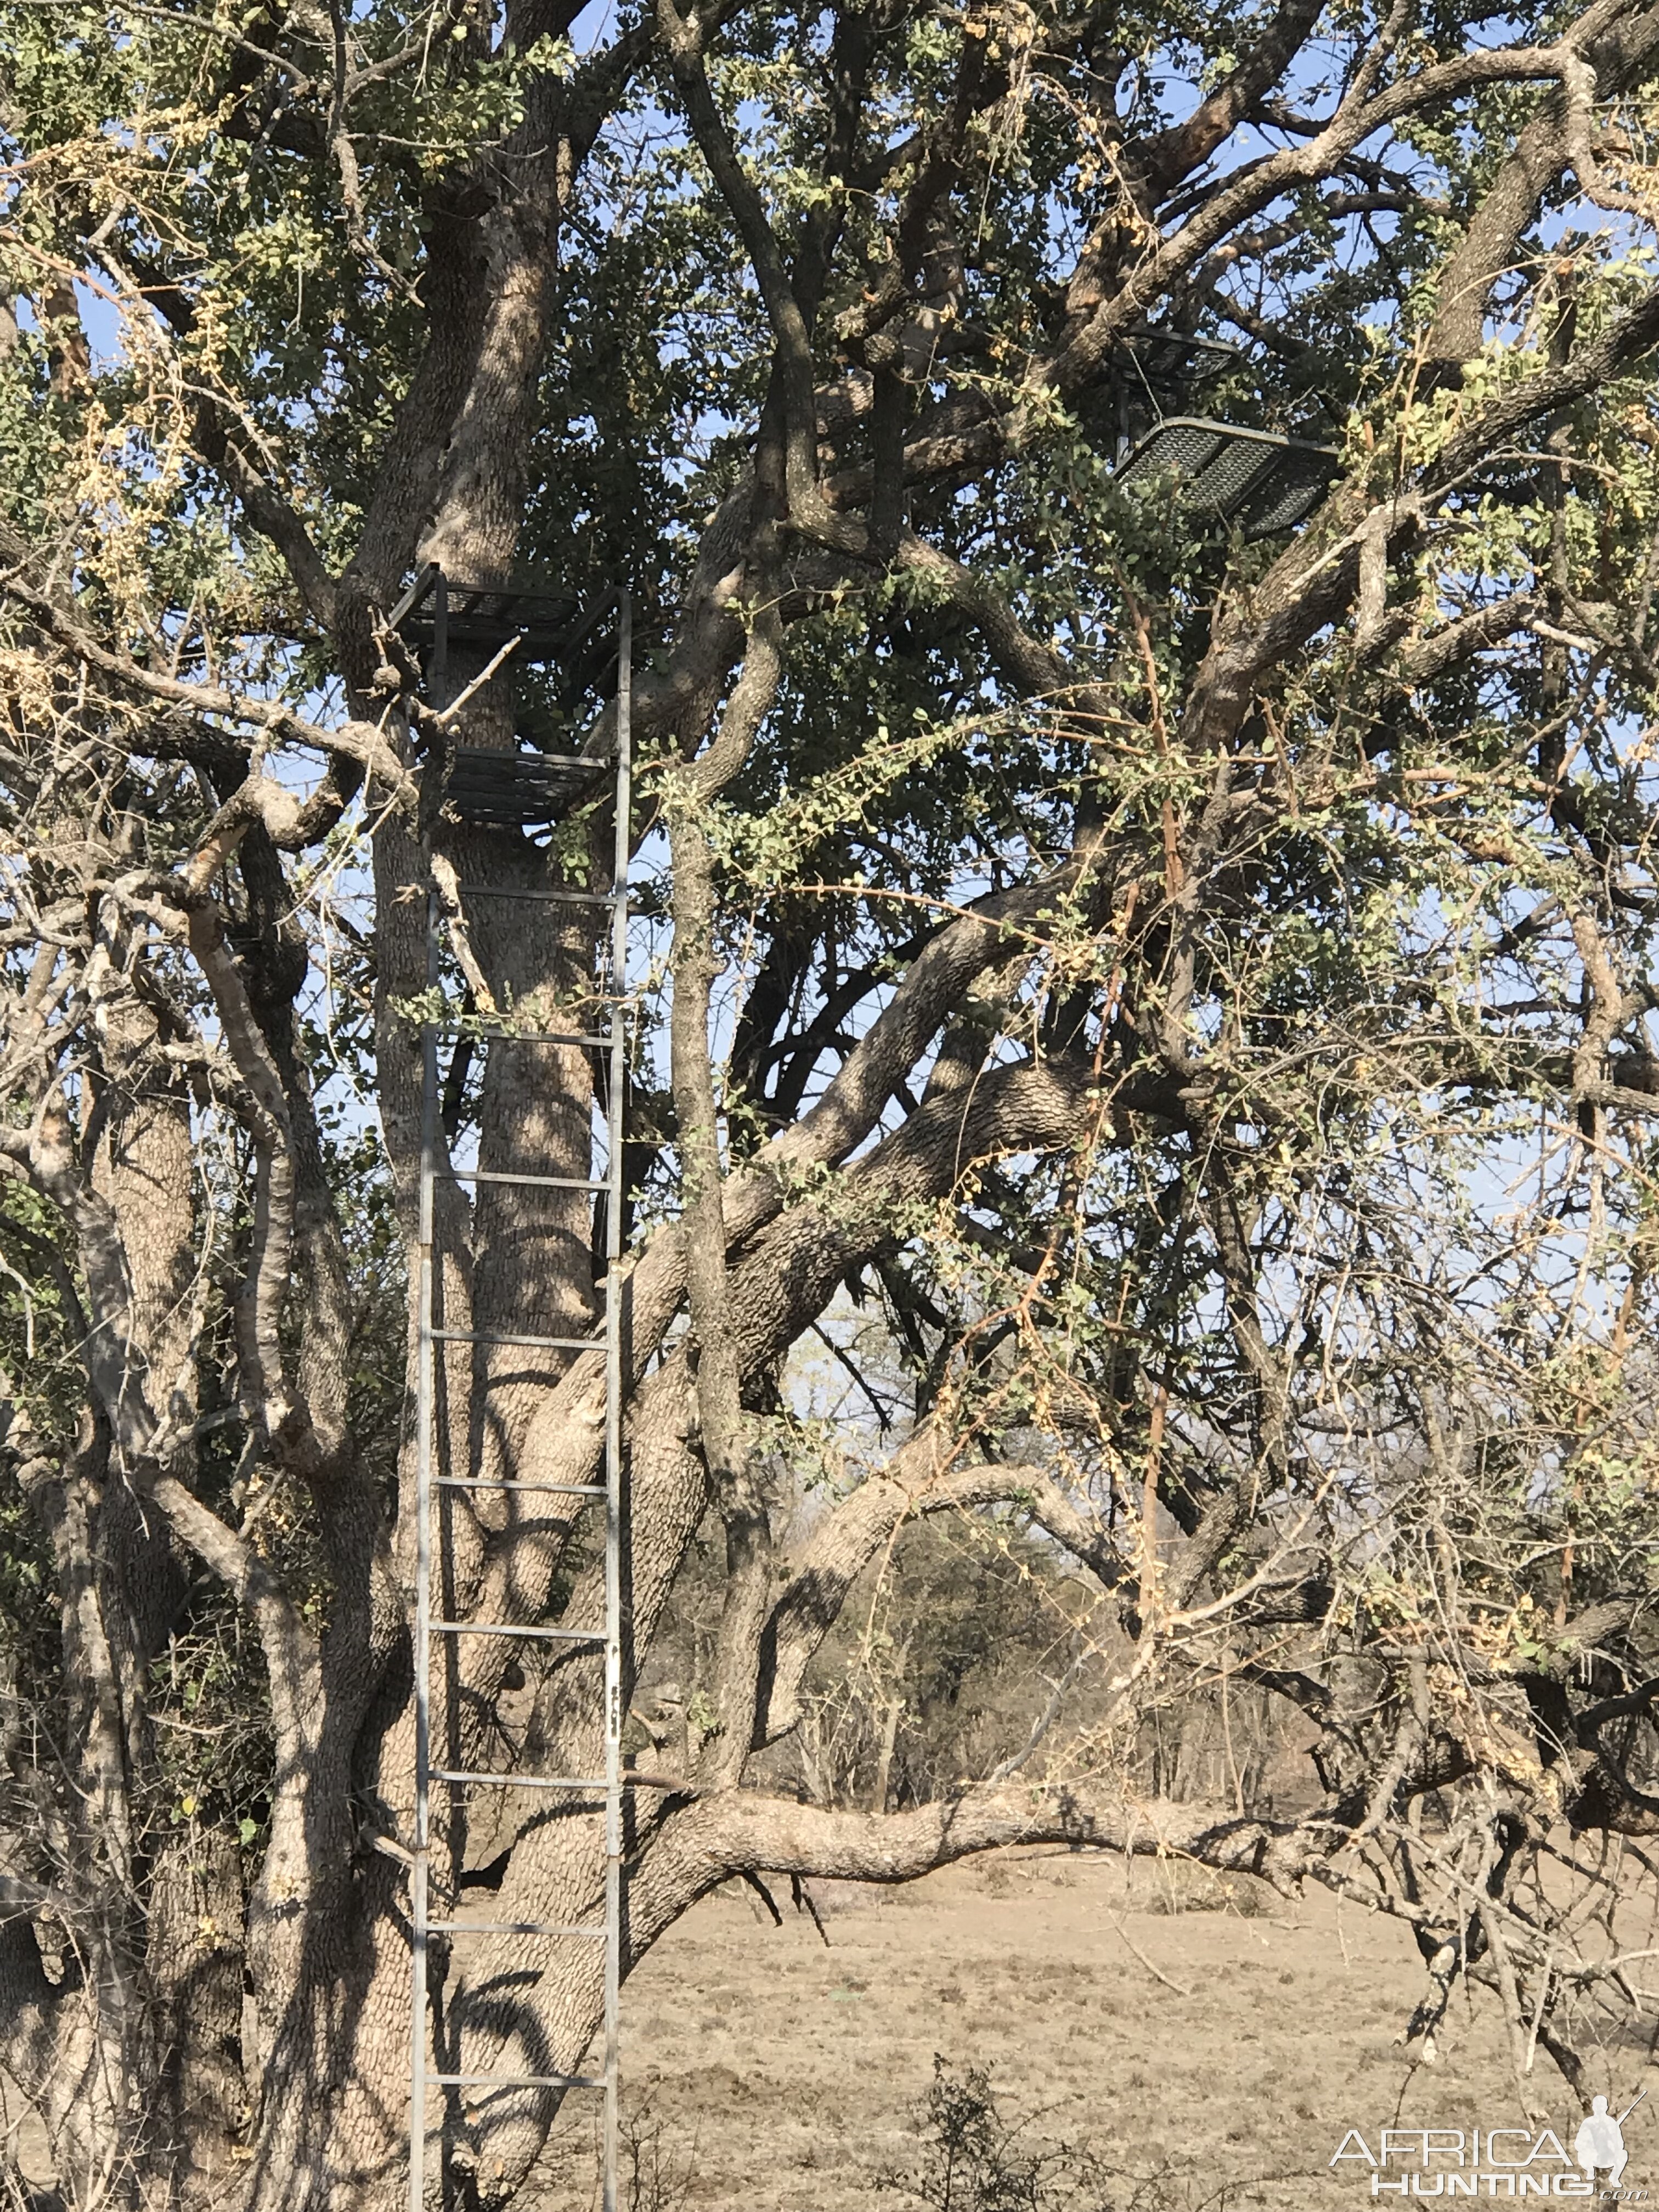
[417, 592]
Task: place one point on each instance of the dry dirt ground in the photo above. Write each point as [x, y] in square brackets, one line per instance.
[1214, 2059]
[1220, 2054]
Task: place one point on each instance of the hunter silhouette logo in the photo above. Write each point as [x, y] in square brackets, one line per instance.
[1498, 2161]
[1599, 2145]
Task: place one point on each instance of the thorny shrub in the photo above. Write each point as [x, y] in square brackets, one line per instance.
[974, 2158]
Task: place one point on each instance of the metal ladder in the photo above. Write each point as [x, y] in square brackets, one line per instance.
[499, 789]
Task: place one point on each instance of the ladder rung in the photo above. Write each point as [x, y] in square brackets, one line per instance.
[509, 1928]
[537, 1343]
[537, 1182]
[514, 2080]
[519, 1781]
[550, 898]
[675, 1785]
[487, 1482]
[527, 1036]
[535, 1635]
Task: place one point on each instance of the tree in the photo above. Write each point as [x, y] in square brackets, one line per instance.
[1188, 984]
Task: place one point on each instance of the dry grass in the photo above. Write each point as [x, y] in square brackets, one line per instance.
[788, 2077]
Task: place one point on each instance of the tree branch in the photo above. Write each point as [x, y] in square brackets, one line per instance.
[707, 1842]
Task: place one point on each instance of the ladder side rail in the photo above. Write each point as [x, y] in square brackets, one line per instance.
[424, 1417]
[437, 682]
[613, 1390]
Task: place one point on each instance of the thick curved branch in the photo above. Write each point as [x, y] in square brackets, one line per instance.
[786, 1276]
[1162, 162]
[265, 1395]
[707, 1842]
[290, 823]
[682, 42]
[1512, 201]
[738, 1495]
[1357, 119]
[854, 1098]
[1427, 658]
